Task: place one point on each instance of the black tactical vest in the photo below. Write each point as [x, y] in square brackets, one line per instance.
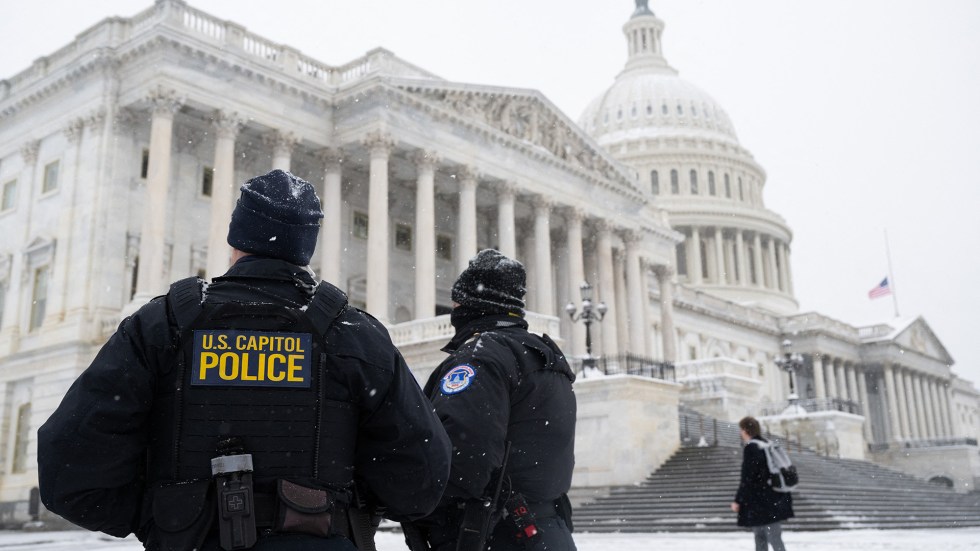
[255, 372]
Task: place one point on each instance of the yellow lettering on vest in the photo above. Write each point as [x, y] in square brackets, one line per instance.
[271, 368]
[223, 342]
[263, 342]
[208, 361]
[294, 366]
[245, 375]
[228, 366]
[240, 342]
[207, 342]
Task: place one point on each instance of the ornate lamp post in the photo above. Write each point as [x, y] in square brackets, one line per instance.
[790, 362]
[588, 315]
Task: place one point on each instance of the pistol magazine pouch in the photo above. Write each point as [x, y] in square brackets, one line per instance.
[303, 510]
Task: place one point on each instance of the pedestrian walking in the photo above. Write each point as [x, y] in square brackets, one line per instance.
[261, 411]
[501, 389]
[758, 506]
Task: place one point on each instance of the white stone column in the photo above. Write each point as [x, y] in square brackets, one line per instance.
[63, 258]
[634, 286]
[466, 236]
[921, 407]
[789, 273]
[818, 377]
[740, 253]
[425, 235]
[831, 368]
[576, 273]
[378, 251]
[607, 293]
[773, 270]
[852, 387]
[223, 196]
[911, 411]
[901, 390]
[935, 423]
[649, 334]
[896, 431]
[720, 275]
[149, 280]
[948, 412]
[695, 272]
[282, 148]
[947, 429]
[542, 256]
[862, 386]
[730, 254]
[506, 233]
[783, 267]
[332, 229]
[619, 310]
[665, 276]
[760, 279]
[841, 379]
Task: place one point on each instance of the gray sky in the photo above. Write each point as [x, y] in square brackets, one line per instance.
[864, 113]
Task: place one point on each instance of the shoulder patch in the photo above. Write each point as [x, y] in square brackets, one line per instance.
[457, 379]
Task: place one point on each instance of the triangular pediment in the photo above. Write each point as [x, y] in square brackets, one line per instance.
[919, 337]
[527, 116]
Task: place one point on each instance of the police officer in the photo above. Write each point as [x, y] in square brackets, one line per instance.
[260, 411]
[502, 387]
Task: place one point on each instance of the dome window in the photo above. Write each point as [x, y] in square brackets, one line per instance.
[619, 114]
[711, 182]
[633, 111]
[654, 182]
[663, 109]
[605, 118]
[649, 109]
[680, 110]
[694, 110]
[707, 112]
[675, 187]
[694, 182]
[741, 192]
[728, 187]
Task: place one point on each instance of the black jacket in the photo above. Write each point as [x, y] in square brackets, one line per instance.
[758, 503]
[520, 391]
[91, 450]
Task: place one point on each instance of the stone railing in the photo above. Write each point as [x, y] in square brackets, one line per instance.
[226, 35]
[813, 405]
[809, 322]
[440, 328]
[699, 299]
[623, 364]
[714, 367]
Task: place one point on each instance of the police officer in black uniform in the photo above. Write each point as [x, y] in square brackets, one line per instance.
[258, 412]
[501, 388]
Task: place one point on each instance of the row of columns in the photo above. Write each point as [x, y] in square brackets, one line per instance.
[151, 277]
[918, 405]
[727, 254]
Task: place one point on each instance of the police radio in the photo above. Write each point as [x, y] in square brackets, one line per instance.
[232, 473]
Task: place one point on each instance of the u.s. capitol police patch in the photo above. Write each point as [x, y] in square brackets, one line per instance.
[457, 379]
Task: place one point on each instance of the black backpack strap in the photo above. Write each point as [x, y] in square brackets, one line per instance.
[328, 302]
[185, 301]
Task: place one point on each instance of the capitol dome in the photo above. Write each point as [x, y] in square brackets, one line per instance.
[683, 147]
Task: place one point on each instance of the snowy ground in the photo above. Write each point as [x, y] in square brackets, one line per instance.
[841, 540]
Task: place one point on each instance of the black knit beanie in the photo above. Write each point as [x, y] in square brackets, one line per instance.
[277, 215]
[492, 284]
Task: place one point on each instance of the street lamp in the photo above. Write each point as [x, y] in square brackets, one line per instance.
[588, 315]
[790, 362]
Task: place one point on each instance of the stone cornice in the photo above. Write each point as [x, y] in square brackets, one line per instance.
[524, 121]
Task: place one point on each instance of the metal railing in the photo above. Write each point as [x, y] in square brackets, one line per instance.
[922, 443]
[812, 405]
[625, 364]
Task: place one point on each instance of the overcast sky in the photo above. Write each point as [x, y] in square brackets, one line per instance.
[865, 114]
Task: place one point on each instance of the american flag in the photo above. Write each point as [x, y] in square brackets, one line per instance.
[880, 290]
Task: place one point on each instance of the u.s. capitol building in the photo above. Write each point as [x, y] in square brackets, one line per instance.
[122, 152]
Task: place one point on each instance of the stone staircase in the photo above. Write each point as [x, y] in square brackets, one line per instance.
[692, 491]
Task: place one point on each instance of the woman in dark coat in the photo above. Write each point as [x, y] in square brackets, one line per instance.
[757, 504]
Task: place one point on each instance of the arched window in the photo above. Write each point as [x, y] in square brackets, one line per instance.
[694, 110]
[741, 191]
[633, 111]
[649, 109]
[694, 182]
[619, 114]
[728, 187]
[654, 182]
[675, 186]
[711, 182]
[680, 110]
[663, 109]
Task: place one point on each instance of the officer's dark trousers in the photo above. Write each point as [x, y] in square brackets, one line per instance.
[553, 535]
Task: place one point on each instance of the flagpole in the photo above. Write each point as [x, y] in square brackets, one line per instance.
[891, 277]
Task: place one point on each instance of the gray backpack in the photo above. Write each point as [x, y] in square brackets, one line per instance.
[782, 473]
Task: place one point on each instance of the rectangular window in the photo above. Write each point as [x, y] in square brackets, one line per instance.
[39, 296]
[207, 181]
[145, 164]
[21, 438]
[682, 259]
[360, 225]
[655, 182]
[403, 237]
[9, 195]
[50, 177]
[444, 247]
